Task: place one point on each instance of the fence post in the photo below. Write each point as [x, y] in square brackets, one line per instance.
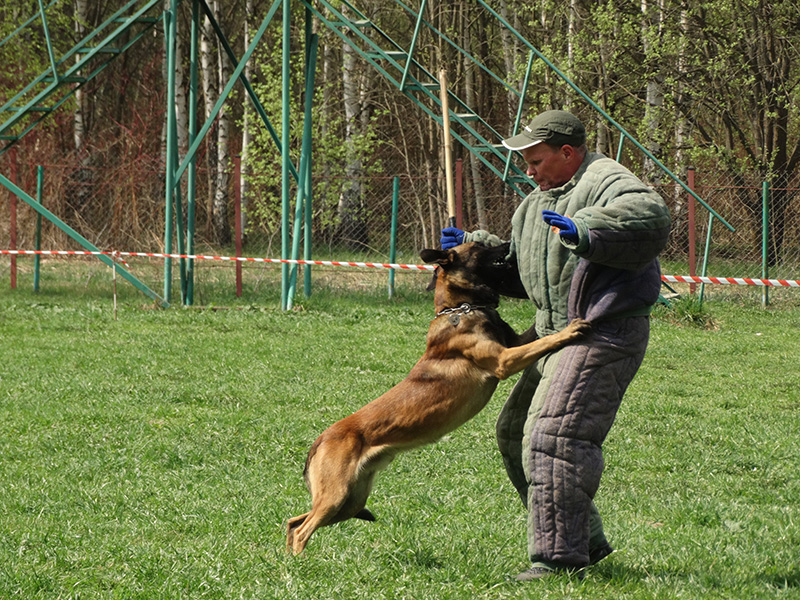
[765, 241]
[13, 219]
[237, 216]
[37, 236]
[393, 240]
[692, 230]
[706, 253]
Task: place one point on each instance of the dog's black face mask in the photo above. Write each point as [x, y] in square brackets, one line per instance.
[499, 273]
[488, 268]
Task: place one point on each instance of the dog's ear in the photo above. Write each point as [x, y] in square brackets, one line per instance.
[440, 257]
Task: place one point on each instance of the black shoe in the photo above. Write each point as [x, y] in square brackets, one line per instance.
[599, 553]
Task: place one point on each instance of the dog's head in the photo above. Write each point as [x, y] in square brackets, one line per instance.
[482, 272]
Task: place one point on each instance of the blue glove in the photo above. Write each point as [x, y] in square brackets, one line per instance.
[451, 236]
[567, 229]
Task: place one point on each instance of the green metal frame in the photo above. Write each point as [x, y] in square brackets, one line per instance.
[386, 56]
[285, 132]
[624, 134]
[78, 238]
[413, 46]
[393, 234]
[176, 169]
[57, 88]
[304, 185]
[394, 62]
[30, 106]
[51, 89]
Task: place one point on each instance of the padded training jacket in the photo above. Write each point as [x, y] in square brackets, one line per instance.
[552, 427]
[622, 226]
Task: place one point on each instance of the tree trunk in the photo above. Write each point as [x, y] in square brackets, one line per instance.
[222, 229]
[573, 27]
[181, 103]
[471, 98]
[247, 135]
[79, 192]
[79, 117]
[352, 209]
[680, 226]
[652, 17]
[209, 79]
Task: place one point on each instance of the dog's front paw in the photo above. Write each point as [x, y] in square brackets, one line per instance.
[578, 328]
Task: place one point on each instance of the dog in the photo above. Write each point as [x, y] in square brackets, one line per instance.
[469, 350]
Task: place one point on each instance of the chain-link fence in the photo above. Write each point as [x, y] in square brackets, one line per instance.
[741, 252]
[123, 210]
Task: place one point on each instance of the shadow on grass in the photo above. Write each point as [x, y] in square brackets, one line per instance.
[773, 578]
[617, 571]
[781, 580]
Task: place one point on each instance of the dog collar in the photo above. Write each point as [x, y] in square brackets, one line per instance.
[464, 309]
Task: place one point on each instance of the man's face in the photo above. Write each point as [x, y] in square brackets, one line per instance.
[550, 166]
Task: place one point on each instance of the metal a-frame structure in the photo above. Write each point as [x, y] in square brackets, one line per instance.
[396, 62]
[68, 73]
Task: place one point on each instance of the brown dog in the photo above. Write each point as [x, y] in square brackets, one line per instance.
[469, 349]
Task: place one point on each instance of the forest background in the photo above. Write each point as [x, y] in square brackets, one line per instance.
[711, 85]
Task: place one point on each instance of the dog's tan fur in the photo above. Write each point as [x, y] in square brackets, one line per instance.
[455, 378]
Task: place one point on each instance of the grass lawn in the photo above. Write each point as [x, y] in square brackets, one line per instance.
[160, 455]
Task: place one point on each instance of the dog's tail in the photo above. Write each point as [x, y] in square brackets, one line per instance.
[365, 515]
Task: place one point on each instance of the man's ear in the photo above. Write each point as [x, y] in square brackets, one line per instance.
[440, 257]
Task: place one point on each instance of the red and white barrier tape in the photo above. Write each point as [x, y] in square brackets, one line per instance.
[732, 281]
[327, 263]
[337, 263]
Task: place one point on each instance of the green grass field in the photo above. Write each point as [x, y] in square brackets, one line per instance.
[160, 455]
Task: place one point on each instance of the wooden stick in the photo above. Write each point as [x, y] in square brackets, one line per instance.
[448, 151]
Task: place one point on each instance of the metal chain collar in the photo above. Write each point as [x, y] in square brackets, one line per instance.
[464, 309]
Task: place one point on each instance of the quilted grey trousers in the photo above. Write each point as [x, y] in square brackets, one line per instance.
[551, 430]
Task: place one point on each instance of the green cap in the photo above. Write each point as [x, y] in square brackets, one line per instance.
[555, 127]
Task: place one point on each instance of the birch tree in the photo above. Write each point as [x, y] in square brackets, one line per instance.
[208, 69]
[81, 191]
[352, 224]
[222, 229]
[652, 20]
[247, 124]
[216, 69]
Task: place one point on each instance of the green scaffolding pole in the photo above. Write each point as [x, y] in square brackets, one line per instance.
[706, 254]
[286, 161]
[305, 157]
[312, 41]
[393, 241]
[413, 45]
[302, 208]
[191, 191]
[37, 241]
[171, 176]
[765, 241]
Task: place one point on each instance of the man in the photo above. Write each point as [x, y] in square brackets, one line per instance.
[586, 243]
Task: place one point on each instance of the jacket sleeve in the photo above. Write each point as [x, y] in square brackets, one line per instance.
[626, 227]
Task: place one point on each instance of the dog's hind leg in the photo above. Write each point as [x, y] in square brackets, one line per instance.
[332, 475]
[326, 508]
[294, 523]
